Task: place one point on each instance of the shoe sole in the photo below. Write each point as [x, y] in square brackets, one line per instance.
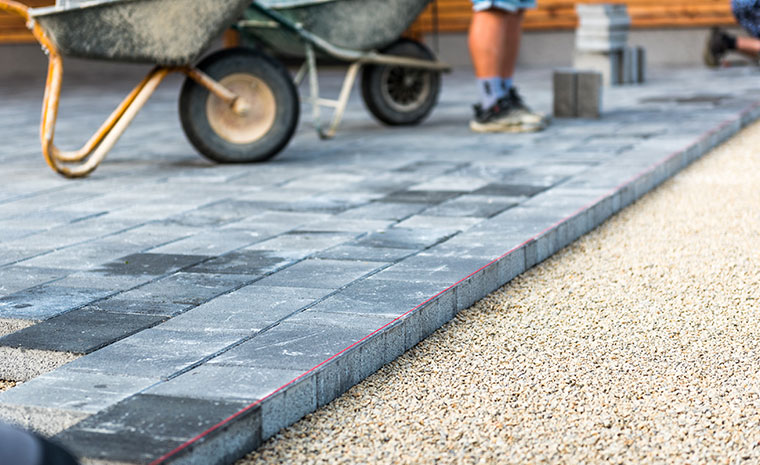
[501, 128]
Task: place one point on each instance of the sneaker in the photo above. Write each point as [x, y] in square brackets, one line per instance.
[716, 47]
[504, 116]
[527, 116]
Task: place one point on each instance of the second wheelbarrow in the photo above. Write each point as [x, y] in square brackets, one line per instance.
[400, 80]
[237, 105]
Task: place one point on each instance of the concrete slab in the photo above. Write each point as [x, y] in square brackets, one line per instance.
[275, 287]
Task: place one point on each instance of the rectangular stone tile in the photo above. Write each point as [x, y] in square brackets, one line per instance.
[142, 428]
[451, 183]
[308, 340]
[323, 274]
[45, 301]
[73, 391]
[301, 244]
[221, 382]
[511, 190]
[391, 211]
[80, 331]
[244, 262]
[421, 196]
[247, 310]
[474, 206]
[17, 278]
[402, 238]
[379, 297]
[371, 254]
[214, 243]
[186, 288]
[150, 264]
[154, 307]
[154, 353]
[441, 224]
[432, 268]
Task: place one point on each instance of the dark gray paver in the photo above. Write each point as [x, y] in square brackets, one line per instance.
[283, 284]
[80, 331]
[143, 427]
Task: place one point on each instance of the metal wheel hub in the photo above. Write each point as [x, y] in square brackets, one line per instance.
[247, 126]
[405, 89]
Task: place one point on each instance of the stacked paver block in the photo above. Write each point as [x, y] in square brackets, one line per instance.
[601, 44]
[577, 93]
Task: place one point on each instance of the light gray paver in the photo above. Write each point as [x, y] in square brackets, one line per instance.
[283, 284]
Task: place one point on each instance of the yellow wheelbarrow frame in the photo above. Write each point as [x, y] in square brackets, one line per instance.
[80, 163]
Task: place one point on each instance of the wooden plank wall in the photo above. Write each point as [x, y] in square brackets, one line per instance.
[12, 29]
[454, 15]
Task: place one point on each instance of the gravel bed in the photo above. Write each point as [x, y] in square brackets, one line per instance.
[637, 344]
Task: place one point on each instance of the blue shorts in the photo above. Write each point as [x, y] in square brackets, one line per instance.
[507, 5]
[747, 13]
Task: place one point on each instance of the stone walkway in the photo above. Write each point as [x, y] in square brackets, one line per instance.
[168, 309]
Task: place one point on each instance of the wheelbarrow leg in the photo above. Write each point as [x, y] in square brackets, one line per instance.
[82, 162]
[339, 105]
[96, 149]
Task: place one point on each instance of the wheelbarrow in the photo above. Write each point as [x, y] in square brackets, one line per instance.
[400, 81]
[236, 105]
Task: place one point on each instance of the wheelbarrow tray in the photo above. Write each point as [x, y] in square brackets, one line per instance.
[362, 25]
[163, 32]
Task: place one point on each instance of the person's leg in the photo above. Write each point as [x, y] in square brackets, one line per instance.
[513, 39]
[719, 43]
[748, 45]
[487, 40]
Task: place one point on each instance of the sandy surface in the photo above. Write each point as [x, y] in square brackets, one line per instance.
[640, 343]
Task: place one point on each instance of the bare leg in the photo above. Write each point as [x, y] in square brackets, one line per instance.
[512, 38]
[488, 34]
[748, 46]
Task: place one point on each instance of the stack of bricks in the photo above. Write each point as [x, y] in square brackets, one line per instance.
[601, 44]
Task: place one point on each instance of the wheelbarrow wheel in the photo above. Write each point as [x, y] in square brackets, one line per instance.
[255, 135]
[396, 95]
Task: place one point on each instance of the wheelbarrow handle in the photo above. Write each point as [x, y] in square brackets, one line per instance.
[15, 7]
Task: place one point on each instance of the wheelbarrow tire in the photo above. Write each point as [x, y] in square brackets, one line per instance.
[224, 136]
[399, 96]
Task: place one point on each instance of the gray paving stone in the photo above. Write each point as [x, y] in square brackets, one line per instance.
[385, 210]
[322, 274]
[301, 244]
[46, 301]
[221, 382]
[188, 289]
[154, 353]
[371, 254]
[429, 197]
[244, 262]
[475, 206]
[80, 331]
[151, 264]
[379, 297]
[71, 391]
[17, 278]
[510, 190]
[119, 304]
[246, 311]
[302, 342]
[143, 428]
[402, 238]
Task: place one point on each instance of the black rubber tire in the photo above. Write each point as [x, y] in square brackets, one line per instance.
[194, 104]
[399, 96]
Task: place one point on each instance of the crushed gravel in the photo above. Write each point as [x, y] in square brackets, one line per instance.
[640, 343]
